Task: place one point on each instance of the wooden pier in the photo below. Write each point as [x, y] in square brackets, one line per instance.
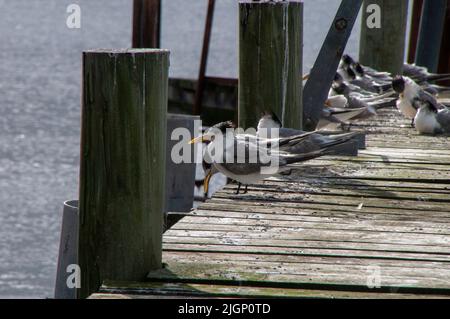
[372, 226]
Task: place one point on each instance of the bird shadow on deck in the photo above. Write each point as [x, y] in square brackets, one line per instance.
[295, 187]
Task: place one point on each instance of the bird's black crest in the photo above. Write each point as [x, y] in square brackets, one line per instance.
[276, 119]
[348, 59]
[338, 77]
[351, 73]
[273, 116]
[340, 89]
[359, 69]
[223, 126]
[398, 84]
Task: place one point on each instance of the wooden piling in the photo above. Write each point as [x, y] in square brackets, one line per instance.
[444, 60]
[414, 33]
[430, 35]
[146, 23]
[384, 48]
[122, 174]
[270, 61]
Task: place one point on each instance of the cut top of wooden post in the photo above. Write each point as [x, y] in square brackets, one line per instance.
[128, 51]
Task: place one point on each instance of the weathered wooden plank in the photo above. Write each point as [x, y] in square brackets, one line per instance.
[302, 249]
[301, 234]
[296, 189]
[144, 290]
[325, 215]
[356, 201]
[332, 231]
[432, 163]
[337, 184]
[328, 217]
[314, 222]
[322, 208]
[318, 276]
[374, 257]
[338, 181]
[375, 165]
[299, 247]
[391, 267]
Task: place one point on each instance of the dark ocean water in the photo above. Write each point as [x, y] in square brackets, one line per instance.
[40, 73]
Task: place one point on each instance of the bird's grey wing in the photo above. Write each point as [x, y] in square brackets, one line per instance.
[289, 132]
[248, 158]
[248, 152]
[443, 118]
[314, 143]
[354, 103]
[414, 71]
[426, 97]
[242, 169]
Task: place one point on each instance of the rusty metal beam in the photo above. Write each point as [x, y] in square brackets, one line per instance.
[146, 23]
[204, 58]
[316, 89]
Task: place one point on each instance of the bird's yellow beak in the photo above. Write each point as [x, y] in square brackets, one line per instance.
[197, 140]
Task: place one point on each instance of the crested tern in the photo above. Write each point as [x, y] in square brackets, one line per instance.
[232, 155]
[431, 118]
[409, 92]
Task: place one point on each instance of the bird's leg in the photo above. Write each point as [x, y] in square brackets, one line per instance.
[246, 189]
[206, 183]
[413, 125]
[346, 127]
[239, 188]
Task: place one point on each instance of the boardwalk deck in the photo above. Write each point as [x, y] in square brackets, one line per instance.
[327, 230]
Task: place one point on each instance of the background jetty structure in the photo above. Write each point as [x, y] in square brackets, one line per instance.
[215, 98]
[325, 232]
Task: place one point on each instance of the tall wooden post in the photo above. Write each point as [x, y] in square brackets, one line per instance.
[414, 33]
[270, 61]
[122, 175]
[384, 48]
[146, 23]
[444, 61]
[430, 35]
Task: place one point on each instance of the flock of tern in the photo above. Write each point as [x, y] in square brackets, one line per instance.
[356, 93]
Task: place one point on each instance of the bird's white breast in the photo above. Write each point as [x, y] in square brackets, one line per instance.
[426, 122]
[406, 108]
